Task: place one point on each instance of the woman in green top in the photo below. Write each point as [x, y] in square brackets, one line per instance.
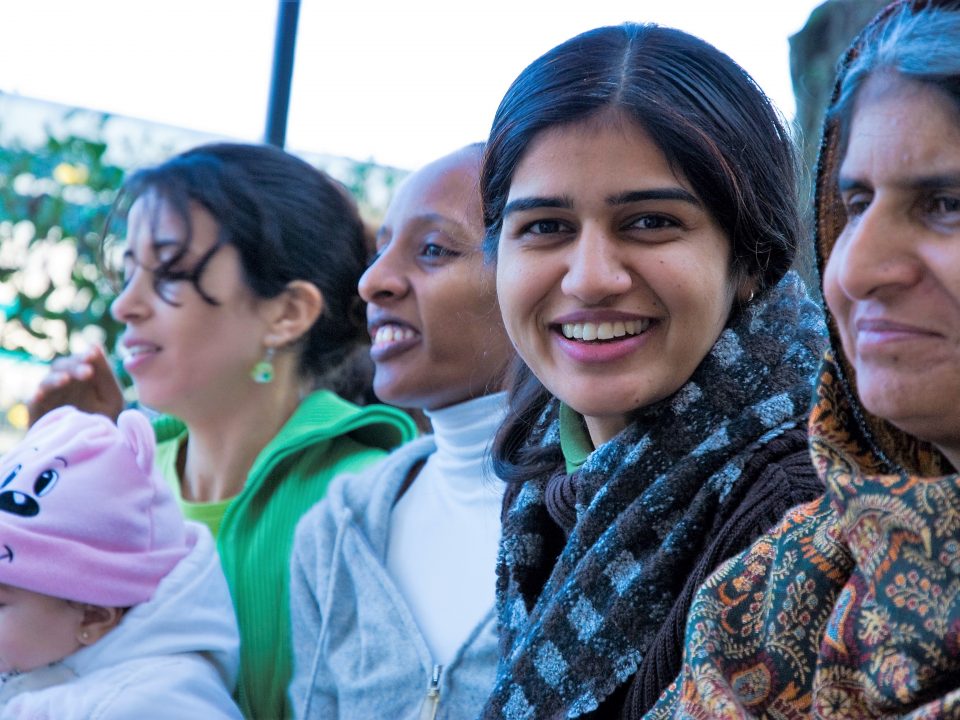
[240, 271]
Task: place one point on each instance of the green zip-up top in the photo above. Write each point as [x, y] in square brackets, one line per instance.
[325, 436]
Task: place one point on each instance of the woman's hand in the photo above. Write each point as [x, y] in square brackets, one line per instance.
[84, 381]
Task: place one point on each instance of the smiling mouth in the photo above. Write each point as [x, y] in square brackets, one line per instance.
[389, 334]
[130, 352]
[592, 332]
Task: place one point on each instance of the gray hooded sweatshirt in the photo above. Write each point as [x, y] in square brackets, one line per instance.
[358, 652]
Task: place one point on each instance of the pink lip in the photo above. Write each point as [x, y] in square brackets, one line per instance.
[139, 353]
[879, 331]
[605, 351]
[380, 354]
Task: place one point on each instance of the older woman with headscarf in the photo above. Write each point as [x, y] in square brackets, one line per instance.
[851, 607]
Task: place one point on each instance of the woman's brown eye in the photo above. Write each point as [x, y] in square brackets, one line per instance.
[856, 205]
[432, 250]
[545, 227]
[945, 205]
[653, 222]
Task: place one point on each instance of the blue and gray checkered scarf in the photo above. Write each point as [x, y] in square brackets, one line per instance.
[576, 626]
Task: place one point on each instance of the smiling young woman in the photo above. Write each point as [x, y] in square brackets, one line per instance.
[431, 303]
[394, 570]
[640, 203]
[617, 277]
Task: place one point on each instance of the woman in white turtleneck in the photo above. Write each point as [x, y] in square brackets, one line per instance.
[394, 572]
[451, 515]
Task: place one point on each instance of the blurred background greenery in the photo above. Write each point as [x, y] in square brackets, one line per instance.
[54, 202]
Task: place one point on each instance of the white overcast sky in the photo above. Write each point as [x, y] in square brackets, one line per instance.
[399, 82]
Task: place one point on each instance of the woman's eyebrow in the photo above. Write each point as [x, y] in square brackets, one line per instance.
[920, 182]
[934, 182]
[846, 184]
[667, 193]
[530, 203]
[432, 221]
[434, 218]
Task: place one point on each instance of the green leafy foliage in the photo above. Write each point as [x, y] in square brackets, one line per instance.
[54, 202]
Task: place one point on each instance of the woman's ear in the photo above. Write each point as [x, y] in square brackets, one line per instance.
[292, 313]
[97, 621]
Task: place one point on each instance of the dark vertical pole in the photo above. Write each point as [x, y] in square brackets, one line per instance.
[283, 51]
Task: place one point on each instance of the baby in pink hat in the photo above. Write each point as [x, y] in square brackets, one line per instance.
[111, 605]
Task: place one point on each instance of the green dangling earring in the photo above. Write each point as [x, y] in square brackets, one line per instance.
[262, 372]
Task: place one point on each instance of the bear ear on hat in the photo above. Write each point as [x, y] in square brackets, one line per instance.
[138, 433]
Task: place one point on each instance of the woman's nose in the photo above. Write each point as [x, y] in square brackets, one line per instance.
[595, 268]
[131, 305]
[875, 253]
[384, 278]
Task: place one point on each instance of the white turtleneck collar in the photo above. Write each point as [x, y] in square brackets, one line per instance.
[463, 434]
[445, 529]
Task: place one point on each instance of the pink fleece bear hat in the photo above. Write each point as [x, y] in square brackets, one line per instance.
[84, 515]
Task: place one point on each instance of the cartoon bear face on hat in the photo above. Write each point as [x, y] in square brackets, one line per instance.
[33, 468]
[24, 503]
[79, 496]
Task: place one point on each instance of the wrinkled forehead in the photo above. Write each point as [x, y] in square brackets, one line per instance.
[885, 100]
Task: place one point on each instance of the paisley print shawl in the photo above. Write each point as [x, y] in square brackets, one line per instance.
[850, 608]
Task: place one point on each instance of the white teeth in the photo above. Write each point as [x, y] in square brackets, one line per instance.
[603, 331]
[392, 333]
[135, 350]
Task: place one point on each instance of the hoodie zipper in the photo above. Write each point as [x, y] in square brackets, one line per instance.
[428, 710]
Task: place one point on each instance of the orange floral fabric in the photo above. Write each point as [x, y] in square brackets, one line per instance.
[850, 608]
